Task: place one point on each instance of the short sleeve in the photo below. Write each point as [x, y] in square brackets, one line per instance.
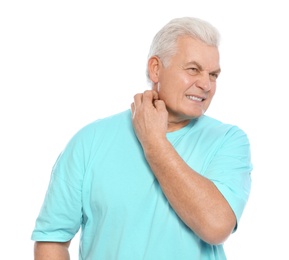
[60, 216]
[230, 169]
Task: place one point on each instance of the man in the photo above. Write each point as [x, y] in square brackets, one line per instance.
[162, 181]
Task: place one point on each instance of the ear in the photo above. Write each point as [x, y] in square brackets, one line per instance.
[154, 65]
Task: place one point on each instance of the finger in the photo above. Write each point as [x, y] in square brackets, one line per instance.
[155, 95]
[138, 99]
[160, 105]
[149, 96]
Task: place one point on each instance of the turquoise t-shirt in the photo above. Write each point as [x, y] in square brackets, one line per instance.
[102, 184]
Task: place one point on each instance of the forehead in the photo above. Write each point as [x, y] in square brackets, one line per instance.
[193, 50]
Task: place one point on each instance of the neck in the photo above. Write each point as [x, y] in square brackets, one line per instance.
[174, 126]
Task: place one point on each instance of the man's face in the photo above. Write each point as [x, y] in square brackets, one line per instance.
[188, 84]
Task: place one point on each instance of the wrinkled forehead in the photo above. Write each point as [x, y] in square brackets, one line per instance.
[190, 50]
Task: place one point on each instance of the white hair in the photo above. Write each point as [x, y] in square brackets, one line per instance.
[164, 42]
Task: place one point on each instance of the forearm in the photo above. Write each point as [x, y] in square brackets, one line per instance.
[195, 199]
[51, 251]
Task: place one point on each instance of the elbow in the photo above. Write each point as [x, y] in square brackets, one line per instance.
[216, 233]
[215, 237]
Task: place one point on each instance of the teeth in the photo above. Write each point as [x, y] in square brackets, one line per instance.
[194, 98]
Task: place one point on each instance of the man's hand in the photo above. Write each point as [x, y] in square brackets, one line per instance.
[150, 117]
[195, 199]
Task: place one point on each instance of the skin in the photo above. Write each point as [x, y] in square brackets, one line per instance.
[192, 71]
[51, 251]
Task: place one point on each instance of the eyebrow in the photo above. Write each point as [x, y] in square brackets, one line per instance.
[218, 71]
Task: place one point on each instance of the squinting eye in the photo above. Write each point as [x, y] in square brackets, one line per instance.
[214, 76]
[193, 70]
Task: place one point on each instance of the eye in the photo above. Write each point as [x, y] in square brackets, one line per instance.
[214, 76]
[193, 70]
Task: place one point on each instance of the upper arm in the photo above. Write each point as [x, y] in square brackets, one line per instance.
[51, 250]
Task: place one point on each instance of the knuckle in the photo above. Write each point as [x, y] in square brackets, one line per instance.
[147, 92]
[136, 95]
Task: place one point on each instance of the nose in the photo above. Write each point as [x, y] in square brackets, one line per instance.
[204, 81]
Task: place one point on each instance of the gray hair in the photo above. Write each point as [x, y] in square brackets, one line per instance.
[164, 42]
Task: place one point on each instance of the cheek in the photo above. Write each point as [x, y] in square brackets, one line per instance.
[211, 95]
[167, 96]
[171, 89]
[213, 90]
[187, 81]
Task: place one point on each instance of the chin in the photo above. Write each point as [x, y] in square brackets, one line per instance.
[195, 115]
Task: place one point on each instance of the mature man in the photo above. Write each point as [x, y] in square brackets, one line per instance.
[159, 181]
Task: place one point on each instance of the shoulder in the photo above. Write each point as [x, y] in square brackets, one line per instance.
[96, 134]
[105, 125]
[211, 130]
[212, 125]
[96, 131]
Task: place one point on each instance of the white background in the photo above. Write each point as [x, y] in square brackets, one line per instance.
[64, 64]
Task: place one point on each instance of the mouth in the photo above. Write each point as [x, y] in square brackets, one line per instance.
[195, 98]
